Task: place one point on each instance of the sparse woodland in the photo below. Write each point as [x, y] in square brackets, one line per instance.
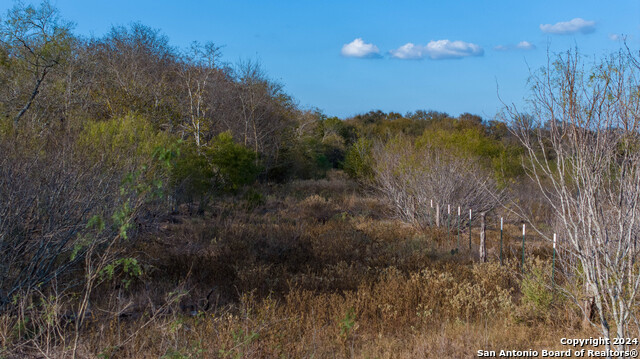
[157, 202]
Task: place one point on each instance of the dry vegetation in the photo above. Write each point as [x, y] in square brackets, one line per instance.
[315, 270]
[155, 202]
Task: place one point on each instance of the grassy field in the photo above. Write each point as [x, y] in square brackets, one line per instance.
[312, 269]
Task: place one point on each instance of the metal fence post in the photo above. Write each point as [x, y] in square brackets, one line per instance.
[458, 225]
[469, 229]
[553, 263]
[483, 238]
[500, 240]
[523, 232]
[449, 222]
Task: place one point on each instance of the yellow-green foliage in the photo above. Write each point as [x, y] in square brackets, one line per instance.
[467, 136]
[538, 297]
[358, 161]
[122, 141]
[503, 160]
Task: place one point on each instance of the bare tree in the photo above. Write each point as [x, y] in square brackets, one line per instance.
[583, 149]
[411, 176]
[266, 111]
[197, 70]
[36, 40]
[136, 70]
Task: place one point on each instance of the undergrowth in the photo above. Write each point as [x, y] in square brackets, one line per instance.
[311, 269]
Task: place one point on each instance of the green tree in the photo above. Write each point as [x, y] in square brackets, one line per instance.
[234, 164]
[358, 162]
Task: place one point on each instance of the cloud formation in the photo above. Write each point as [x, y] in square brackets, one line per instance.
[522, 45]
[525, 45]
[570, 27]
[360, 49]
[408, 51]
[437, 50]
[615, 37]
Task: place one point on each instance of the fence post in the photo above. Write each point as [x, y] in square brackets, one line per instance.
[483, 236]
[438, 215]
[458, 225]
[469, 230]
[523, 232]
[501, 240]
[449, 222]
[430, 215]
[553, 265]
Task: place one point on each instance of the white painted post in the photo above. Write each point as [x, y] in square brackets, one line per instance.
[431, 214]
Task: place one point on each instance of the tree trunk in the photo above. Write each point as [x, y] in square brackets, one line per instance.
[589, 307]
[32, 97]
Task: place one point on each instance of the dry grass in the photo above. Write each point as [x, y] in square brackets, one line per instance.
[315, 271]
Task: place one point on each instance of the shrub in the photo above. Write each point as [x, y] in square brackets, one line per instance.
[234, 164]
[253, 199]
[220, 167]
[358, 161]
[492, 154]
[537, 296]
[192, 177]
[410, 175]
[59, 211]
[306, 158]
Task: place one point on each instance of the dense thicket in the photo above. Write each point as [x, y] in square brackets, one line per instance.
[56, 83]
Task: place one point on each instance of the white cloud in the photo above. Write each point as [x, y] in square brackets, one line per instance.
[445, 49]
[525, 45]
[616, 37]
[522, 45]
[437, 50]
[408, 51]
[620, 37]
[570, 27]
[358, 48]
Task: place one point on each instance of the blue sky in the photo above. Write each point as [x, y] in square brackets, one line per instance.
[459, 52]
